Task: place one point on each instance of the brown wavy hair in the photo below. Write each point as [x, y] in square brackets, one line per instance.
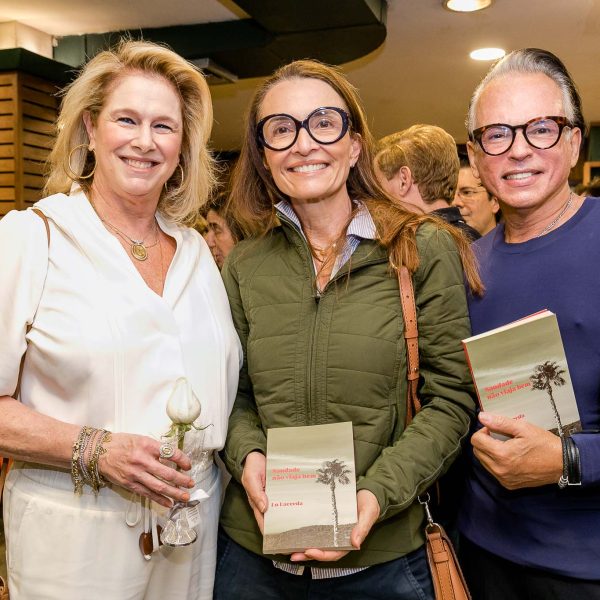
[254, 192]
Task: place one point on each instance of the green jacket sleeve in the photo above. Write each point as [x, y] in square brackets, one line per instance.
[427, 447]
[245, 432]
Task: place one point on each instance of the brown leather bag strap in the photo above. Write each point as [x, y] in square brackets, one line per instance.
[411, 335]
[448, 580]
[44, 218]
[4, 466]
[5, 462]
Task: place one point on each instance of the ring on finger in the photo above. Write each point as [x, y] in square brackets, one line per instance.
[166, 450]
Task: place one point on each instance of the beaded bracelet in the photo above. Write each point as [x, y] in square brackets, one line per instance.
[78, 452]
[97, 480]
[87, 449]
[563, 482]
[84, 455]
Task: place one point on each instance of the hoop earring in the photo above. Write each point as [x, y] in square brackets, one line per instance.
[181, 180]
[70, 172]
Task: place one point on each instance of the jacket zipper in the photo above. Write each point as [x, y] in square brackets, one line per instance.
[343, 272]
[311, 363]
[311, 337]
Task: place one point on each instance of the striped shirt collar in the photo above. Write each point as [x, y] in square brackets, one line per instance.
[361, 226]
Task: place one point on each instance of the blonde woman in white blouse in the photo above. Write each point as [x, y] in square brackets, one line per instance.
[99, 317]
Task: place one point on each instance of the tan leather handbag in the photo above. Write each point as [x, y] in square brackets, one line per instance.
[3, 590]
[448, 580]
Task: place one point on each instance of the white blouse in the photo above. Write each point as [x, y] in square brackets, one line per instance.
[103, 348]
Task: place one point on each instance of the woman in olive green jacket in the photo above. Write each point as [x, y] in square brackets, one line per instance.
[316, 303]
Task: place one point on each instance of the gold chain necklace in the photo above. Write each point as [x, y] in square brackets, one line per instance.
[138, 248]
[321, 254]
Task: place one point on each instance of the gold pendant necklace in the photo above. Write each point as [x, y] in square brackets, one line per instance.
[138, 249]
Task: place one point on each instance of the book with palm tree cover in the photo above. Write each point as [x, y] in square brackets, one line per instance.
[520, 370]
[311, 488]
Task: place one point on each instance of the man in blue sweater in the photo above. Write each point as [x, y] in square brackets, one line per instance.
[531, 517]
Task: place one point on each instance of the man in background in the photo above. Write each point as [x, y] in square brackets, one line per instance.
[419, 167]
[477, 206]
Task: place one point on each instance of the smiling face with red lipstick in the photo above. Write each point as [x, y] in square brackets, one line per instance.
[308, 170]
[531, 183]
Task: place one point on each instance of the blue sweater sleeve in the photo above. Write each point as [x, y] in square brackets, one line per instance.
[589, 452]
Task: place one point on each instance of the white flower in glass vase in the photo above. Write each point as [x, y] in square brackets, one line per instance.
[183, 408]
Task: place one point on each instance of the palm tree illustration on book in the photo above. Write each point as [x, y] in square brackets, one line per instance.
[300, 514]
[331, 473]
[545, 376]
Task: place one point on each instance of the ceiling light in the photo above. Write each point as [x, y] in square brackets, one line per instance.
[466, 5]
[487, 53]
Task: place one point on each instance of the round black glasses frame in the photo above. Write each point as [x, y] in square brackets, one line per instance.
[302, 124]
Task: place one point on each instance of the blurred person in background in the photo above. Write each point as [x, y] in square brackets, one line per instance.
[589, 189]
[477, 206]
[222, 232]
[419, 167]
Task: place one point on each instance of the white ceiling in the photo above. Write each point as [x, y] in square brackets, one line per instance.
[421, 74]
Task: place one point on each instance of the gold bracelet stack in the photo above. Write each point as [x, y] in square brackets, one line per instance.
[87, 449]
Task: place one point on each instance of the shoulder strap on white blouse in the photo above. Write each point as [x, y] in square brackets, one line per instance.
[44, 218]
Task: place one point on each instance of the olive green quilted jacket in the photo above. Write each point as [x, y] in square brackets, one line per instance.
[342, 358]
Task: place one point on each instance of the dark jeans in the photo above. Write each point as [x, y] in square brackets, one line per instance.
[243, 575]
[490, 577]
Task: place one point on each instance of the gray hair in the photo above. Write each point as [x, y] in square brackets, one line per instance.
[533, 60]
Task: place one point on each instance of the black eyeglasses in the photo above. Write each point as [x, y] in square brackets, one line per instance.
[325, 125]
[541, 133]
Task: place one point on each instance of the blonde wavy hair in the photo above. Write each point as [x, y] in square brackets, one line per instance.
[188, 188]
